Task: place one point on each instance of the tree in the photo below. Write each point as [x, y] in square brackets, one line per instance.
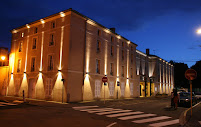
[197, 68]
[179, 74]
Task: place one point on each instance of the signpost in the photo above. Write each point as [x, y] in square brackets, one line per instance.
[104, 79]
[191, 74]
[118, 84]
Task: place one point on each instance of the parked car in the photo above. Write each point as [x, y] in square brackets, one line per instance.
[198, 95]
[185, 98]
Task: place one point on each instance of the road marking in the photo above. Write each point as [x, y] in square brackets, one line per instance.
[104, 113]
[124, 114]
[151, 119]
[2, 105]
[199, 122]
[96, 109]
[136, 116]
[7, 103]
[166, 123]
[111, 124]
[103, 110]
[82, 107]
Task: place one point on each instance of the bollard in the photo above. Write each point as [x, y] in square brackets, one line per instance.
[23, 96]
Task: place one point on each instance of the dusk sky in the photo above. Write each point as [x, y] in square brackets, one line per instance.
[167, 27]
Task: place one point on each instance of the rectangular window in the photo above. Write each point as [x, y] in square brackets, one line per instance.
[34, 43]
[98, 46]
[50, 62]
[112, 39]
[49, 86]
[33, 64]
[131, 58]
[131, 48]
[111, 88]
[97, 66]
[52, 39]
[122, 71]
[112, 50]
[111, 68]
[131, 89]
[20, 47]
[22, 34]
[131, 72]
[122, 44]
[19, 65]
[53, 24]
[99, 33]
[97, 88]
[122, 54]
[36, 30]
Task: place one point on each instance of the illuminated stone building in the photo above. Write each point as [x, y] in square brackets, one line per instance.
[156, 75]
[63, 57]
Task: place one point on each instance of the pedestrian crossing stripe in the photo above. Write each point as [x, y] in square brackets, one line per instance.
[136, 116]
[105, 113]
[124, 114]
[151, 119]
[6, 104]
[166, 123]
[83, 107]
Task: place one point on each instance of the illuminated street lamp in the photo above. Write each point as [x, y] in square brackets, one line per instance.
[199, 31]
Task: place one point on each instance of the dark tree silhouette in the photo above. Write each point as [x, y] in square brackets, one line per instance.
[197, 81]
[179, 74]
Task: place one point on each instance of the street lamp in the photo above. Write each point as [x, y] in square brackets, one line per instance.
[199, 31]
[3, 57]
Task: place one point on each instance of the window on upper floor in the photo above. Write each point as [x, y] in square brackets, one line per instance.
[131, 57]
[97, 66]
[112, 39]
[33, 64]
[34, 43]
[20, 47]
[53, 24]
[122, 44]
[131, 48]
[112, 50]
[111, 69]
[122, 71]
[99, 33]
[131, 72]
[36, 30]
[19, 65]
[52, 39]
[50, 62]
[22, 34]
[122, 54]
[98, 46]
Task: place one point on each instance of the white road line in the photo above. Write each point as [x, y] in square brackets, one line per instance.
[103, 110]
[111, 124]
[166, 123]
[82, 107]
[7, 103]
[136, 116]
[124, 114]
[2, 105]
[96, 109]
[151, 119]
[104, 113]
[199, 122]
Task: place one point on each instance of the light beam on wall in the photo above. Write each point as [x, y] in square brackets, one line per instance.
[25, 68]
[61, 47]
[41, 55]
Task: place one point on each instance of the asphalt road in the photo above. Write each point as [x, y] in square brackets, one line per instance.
[45, 114]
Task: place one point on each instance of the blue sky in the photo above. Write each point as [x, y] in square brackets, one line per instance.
[167, 27]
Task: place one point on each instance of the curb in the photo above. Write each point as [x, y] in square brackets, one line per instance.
[182, 118]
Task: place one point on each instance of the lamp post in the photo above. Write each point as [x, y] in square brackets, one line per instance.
[151, 80]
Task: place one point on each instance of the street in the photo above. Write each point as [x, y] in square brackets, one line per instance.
[137, 112]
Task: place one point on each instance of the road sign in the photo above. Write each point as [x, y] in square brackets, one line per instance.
[104, 79]
[190, 74]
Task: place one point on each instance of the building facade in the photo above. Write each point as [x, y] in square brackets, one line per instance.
[64, 57]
